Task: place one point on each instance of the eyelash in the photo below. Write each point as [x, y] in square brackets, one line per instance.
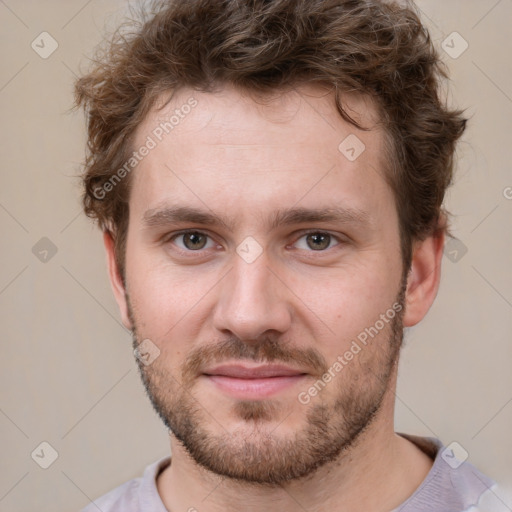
[303, 234]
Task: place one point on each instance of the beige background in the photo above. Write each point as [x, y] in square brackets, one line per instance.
[67, 372]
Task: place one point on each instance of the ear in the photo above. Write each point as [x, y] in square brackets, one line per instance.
[115, 279]
[424, 277]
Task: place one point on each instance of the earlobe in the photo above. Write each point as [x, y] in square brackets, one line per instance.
[424, 277]
[116, 281]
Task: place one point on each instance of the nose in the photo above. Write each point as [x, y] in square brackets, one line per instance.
[252, 300]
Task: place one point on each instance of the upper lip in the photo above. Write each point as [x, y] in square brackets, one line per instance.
[240, 371]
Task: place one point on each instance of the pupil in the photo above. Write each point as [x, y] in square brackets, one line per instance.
[319, 241]
[195, 241]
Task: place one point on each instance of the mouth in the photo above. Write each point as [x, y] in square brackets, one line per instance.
[254, 382]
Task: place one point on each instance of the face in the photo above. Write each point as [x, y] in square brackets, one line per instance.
[263, 265]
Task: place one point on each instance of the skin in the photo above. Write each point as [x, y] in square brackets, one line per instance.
[244, 160]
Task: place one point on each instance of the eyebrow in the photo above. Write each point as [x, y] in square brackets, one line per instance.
[185, 214]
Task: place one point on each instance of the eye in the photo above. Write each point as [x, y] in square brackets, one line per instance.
[192, 240]
[317, 241]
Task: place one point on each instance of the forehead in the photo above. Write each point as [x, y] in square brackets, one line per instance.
[213, 149]
[230, 114]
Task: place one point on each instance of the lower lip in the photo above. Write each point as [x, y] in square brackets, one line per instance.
[255, 388]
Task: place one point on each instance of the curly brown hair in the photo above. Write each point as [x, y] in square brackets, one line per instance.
[374, 47]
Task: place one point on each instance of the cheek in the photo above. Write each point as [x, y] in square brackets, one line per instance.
[164, 301]
[159, 297]
[170, 304]
[345, 302]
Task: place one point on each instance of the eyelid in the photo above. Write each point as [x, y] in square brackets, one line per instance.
[172, 236]
[338, 238]
[298, 235]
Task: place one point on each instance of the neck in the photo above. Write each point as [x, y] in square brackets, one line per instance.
[378, 472]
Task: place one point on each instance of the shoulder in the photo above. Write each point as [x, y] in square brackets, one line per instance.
[452, 483]
[494, 500]
[138, 494]
[124, 497]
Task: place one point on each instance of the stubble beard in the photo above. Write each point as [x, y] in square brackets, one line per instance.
[256, 453]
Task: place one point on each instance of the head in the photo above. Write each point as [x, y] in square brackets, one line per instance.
[305, 148]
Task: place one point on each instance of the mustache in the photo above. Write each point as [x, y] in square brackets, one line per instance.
[267, 350]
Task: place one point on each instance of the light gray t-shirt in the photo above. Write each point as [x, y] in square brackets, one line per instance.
[450, 486]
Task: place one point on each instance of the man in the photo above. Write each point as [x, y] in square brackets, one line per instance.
[269, 178]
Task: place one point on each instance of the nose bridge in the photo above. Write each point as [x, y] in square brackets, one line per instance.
[251, 281]
[251, 300]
